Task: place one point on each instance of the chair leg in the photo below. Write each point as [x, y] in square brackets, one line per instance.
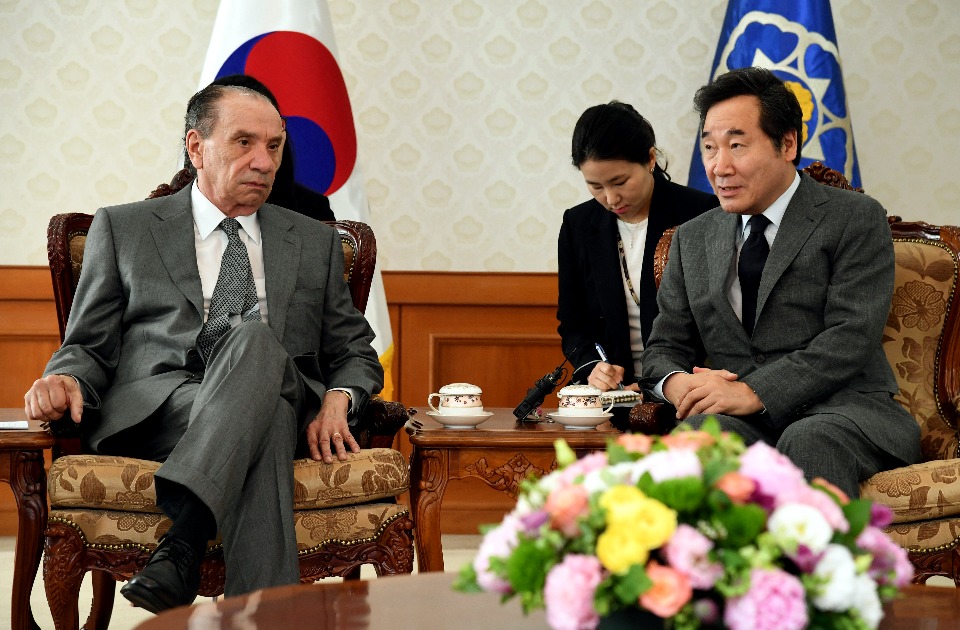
[63, 569]
[104, 589]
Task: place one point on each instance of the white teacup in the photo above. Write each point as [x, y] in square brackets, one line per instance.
[457, 399]
[582, 400]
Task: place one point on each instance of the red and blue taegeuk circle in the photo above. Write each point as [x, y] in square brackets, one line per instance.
[305, 78]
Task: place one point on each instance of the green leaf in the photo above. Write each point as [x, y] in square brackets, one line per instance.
[565, 454]
[466, 581]
[741, 523]
[527, 566]
[685, 495]
[617, 454]
[630, 586]
[858, 515]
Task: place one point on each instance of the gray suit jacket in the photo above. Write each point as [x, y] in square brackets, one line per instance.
[131, 337]
[822, 304]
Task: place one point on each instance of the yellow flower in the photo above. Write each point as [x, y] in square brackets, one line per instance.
[623, 504]
[618, 548]
[635, 525]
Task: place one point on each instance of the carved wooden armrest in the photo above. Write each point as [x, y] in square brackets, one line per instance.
[382, 420]
[652, 418]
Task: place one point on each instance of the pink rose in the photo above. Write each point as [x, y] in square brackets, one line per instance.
[690, 440]
[566, 505]
[737, 486]
[497, 543]
[670, 592]
[635, 442]
[687, 552]
[581, 467]
[775, 601]
[568, 593]
[841, 496]
[772, 471]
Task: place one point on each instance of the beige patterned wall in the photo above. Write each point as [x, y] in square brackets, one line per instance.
[464, 109]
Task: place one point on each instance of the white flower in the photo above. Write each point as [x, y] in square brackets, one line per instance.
[796, 524]
[670, 464]
[605, 478]
[866, 601]
[838, 570]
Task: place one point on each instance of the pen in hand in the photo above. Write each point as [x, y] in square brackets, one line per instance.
[603, 357]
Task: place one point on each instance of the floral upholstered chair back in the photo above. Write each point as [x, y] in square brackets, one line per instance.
[924, 291]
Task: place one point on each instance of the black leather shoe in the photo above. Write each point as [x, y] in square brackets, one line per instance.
[170, 578]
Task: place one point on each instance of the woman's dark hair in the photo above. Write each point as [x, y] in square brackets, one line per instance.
[614, 131]
[779, 109]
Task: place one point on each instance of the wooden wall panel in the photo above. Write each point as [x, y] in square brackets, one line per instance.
[492, 329]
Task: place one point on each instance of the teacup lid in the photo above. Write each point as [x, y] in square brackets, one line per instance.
[579, 390]
[460, 388]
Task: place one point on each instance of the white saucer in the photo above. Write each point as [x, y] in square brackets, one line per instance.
[579, 422]
[460, 422]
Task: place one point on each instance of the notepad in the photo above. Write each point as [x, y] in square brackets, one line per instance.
[14, 425]
[621, 396]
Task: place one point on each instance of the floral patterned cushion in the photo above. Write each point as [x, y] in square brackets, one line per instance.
[113, 529]
[922, 491]
[126, 484]
[926, 536]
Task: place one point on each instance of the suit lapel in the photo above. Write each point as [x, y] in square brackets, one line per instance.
[175, 241]
[281, 260]
[720, 247]
[800, 219]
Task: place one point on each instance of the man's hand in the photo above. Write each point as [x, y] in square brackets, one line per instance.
[51, 396]
[330, 425]
[710, 391]
[605, 376]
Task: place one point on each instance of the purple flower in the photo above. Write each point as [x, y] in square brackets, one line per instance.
[772, 471]
[775, 601]
[499, 543]
[890, 562]
[880, 515]
[568, 593]
[687, 552]
[532, 521]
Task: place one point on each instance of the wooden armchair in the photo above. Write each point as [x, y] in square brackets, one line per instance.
[922, 344]
[104, 516]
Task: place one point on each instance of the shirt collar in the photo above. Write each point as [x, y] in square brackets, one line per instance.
[208, 217]
[777, 209]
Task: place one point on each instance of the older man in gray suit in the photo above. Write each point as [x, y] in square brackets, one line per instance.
[209, 331]
[773, 305]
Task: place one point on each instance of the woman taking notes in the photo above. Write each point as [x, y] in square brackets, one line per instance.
[608, 299]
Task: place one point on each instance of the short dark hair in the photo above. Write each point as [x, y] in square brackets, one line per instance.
[779, 109]
[614, 131]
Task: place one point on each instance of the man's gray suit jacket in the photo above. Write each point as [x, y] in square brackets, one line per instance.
[821, 308]
[132, 333]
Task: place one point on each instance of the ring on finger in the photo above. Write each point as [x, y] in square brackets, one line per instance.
[337, 436]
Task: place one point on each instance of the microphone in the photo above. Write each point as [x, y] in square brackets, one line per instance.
[540, 390]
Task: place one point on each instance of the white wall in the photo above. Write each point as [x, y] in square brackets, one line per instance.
[464, 109]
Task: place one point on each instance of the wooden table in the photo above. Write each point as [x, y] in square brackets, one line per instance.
[21, 465]
[428, 601]
[501, 452]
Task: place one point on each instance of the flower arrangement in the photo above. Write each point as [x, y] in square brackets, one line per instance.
[693, 528]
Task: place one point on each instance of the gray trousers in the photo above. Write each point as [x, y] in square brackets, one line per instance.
[830, 446]
[229, 438]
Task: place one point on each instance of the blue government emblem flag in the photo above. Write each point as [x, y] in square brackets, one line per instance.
[797, 42]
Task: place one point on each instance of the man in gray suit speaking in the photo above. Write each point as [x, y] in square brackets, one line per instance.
[773, 305]
[209, 331]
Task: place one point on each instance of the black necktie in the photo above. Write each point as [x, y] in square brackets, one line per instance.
[235, 293]
[753, 256]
